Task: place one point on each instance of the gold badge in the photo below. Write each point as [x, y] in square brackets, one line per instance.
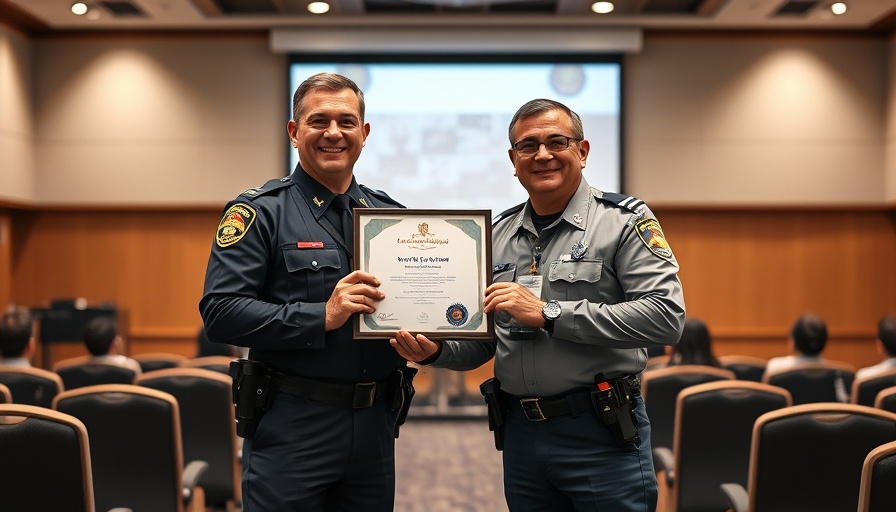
[317, 202]
[652, 235]
[234, 224]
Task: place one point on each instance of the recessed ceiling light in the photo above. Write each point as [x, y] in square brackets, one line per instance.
[602, 7]
[318, 7]
[838, 8]
[79, 8]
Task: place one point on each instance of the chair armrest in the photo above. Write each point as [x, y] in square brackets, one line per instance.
[737, 497]
[192, 474]
[665, 461]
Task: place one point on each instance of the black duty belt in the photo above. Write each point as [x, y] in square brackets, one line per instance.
[357, 396]
[572, 402]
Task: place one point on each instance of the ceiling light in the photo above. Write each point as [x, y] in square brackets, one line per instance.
[602, 7]
[79, 8]
[318, 7]
[838, 8]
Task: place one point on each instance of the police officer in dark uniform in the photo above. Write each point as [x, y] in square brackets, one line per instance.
[279, 281]
[583, 282]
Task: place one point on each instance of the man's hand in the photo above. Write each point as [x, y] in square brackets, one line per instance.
[355, 293]
[414, 348]
[516, 300]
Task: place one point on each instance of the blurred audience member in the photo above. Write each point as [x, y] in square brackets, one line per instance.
[694, 347]
[807, 340]
[103, 342]
[886, 345]
[16, 338]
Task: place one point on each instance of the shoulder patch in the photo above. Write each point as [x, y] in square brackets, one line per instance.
[268, 187]
[629, 203]
[507, 213]
[234, 224]
[379, 194]
[651, 234]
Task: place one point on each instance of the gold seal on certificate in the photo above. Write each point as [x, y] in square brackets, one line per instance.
[433, 266]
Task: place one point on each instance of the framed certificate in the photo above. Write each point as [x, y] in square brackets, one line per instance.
[433, 266]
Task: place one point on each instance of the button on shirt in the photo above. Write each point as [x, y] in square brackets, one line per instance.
[616, 299]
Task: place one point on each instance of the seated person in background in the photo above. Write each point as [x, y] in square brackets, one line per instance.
[102, 340]
[886, 345]
[205, 347]
[16, 338]
[694, 347]
[807, 340]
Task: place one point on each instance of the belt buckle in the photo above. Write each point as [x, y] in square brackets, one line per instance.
[364, 394]
[532, 409]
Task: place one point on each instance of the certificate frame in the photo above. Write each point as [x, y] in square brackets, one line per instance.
[433, 265]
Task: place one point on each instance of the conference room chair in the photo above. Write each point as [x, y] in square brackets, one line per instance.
[877, 490]
[208, 427]
[46, 460]
[135, 448]
[711, 443]
[5, 395]
[31, 386]
[886, 399]
[815, 382]
[744, 367]
[152, 361]
[865, 390]
[656, 362]
[809, 457]
[220, 364]
[660, 388]
[81, 371]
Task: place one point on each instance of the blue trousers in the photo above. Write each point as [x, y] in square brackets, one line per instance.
[307, 456]
[572, 463]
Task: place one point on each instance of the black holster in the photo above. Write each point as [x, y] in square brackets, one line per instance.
[252, 394]
[497, 408]
[402, 390]
[614, 404]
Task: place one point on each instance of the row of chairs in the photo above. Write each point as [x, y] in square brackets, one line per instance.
[138, 437]
[705, 430]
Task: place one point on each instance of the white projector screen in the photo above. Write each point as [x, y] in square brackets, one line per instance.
[438, 124]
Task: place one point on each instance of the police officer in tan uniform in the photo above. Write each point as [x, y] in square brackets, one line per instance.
[583, 282]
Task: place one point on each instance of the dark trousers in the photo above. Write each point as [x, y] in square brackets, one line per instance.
[571, 463]
[307, 456]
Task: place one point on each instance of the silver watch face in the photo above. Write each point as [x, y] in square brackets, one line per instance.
[551, 310]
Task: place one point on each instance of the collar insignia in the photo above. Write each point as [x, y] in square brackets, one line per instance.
[362, 201]
[318, 202]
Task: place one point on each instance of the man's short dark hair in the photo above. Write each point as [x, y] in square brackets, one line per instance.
[99, 335]
[810, 334]
[15, 331]
[886, 333]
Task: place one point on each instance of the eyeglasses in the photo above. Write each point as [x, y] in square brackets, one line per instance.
[554, 144]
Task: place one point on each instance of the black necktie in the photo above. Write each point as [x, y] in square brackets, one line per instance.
[343, 205]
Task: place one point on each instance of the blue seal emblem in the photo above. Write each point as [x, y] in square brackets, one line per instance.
[457, 314]
[578, 250]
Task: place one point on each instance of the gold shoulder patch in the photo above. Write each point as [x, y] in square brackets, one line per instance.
[234, 224]
[651, 234]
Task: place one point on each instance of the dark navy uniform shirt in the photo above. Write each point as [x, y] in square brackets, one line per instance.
[273, 266]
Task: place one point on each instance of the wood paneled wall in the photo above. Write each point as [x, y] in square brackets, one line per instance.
[747, 272]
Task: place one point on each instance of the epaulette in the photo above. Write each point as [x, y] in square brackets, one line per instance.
[379, 194]
[507, 213]
[267, 188]
[632, 204]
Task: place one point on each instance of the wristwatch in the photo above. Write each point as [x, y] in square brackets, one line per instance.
[550, 312]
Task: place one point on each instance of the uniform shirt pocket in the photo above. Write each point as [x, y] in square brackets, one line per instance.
[312, 272]
[577, 277]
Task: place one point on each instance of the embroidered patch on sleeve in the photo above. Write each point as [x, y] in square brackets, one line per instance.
[652, 235]
[234, 224]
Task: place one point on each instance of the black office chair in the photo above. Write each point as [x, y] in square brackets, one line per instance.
[865, 390]
[877, 490]
[744, 367]
[31, 386]
[220, 364]
[829, 381]
[809, 457]
[152, 361]
[135, 448]
[46, 460]
[82, 371]
[208, 426]
[886, 399]
[5, 395]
